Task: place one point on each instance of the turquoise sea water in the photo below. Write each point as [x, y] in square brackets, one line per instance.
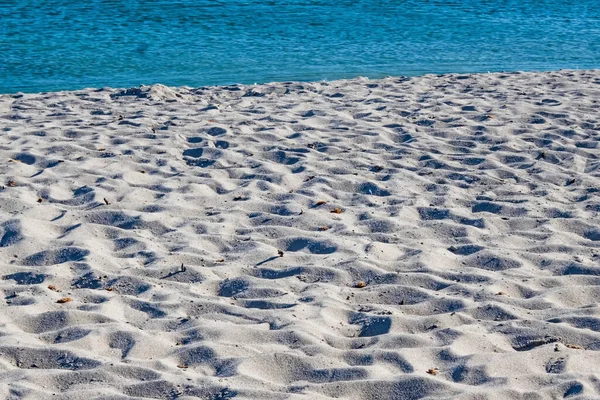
[68, 44]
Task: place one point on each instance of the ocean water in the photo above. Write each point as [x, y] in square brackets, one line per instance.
[68, 44]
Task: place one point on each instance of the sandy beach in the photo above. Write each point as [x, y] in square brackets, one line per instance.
[433, 237]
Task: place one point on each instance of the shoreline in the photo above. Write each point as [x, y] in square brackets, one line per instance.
[359, 77]
[434, 236]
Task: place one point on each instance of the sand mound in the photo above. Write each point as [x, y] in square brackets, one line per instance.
[155, 92]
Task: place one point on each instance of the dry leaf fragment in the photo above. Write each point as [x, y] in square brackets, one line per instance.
[220, 260]
[432, 371]
[360, 285]
[182, 366]
[574, 346]
[64, 300]
[11, 183]
[321, 202]
[101, 149]
[336, 211]
[324, 228]
[54, 288]
[109, 289]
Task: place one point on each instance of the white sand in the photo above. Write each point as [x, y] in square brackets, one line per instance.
[469, 210]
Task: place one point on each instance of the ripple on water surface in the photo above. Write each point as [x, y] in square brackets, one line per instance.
[52, 45]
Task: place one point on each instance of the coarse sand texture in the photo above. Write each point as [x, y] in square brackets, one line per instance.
[434, 237]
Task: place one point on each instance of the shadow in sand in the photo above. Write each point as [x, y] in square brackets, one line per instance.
[266, 261]
[171, 274]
